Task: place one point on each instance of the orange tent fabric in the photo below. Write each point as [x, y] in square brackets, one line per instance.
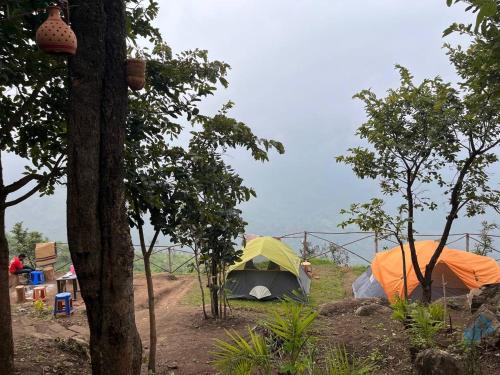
[466, 268]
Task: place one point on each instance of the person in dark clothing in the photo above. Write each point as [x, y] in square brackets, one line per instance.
[17, 267]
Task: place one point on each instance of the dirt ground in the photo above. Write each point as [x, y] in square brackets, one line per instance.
[184, 337]
[47, 345]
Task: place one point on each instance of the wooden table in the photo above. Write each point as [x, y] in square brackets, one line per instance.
[61, 285]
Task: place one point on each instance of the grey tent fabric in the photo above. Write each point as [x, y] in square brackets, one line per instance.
[366, 286]
[239, 283]
[454, 286]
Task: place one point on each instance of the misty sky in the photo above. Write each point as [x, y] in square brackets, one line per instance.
[295, 67]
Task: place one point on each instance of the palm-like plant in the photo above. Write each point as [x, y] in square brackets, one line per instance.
[242, 357]
[290, 326]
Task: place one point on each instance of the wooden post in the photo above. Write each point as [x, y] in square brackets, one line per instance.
[21, 296]
[169, 260]
[445, 304]
[49, 273]
[304, 246]
[376, 242]
[467, 238]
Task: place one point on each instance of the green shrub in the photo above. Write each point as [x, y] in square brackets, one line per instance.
[401, 309]
[423, 328]
[436, 310]
[286, 348]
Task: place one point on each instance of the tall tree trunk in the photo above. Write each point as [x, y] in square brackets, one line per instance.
[427, 288]
[6, 343]
[146, 257]
[98, 233]
[214, 290]
[200, 282]
[152, 315]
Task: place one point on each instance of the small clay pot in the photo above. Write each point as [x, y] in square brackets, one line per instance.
[136, 73]
[55, 36]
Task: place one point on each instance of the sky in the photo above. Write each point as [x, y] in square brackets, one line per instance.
[295, 66]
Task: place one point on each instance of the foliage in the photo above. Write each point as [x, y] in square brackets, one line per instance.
[41, 310]
[189, 193]
[400, 309]
[436, 311]
[424, 321]
[291, 327]
[22, 240]
[417, 133]
[339, 362]
[423, 328]
[241, 357]
[485, 244]
[33, 98]
[284, 347]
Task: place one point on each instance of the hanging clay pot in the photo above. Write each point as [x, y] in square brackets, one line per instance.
[136, 73]
[54, 35]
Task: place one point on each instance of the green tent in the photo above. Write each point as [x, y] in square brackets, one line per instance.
[284, 274]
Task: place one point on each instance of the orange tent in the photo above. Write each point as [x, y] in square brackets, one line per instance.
[460, 271]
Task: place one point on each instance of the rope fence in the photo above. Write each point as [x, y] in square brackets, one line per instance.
[175, 258]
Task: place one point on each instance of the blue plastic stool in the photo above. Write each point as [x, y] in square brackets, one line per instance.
[66, 301]
[37, 277]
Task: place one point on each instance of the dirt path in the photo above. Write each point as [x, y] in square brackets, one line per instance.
[185, 339]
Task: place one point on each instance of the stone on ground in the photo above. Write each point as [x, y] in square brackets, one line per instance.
[437, 362]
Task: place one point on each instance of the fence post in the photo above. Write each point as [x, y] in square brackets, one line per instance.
[304, 246]
[169, 260]
[467, 242]
[375, 239]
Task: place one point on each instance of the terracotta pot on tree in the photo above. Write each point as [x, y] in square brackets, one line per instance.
[55, 36]
[136, 73]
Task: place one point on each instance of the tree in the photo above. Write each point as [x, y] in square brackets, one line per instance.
[206, 216]
[485, 244]
[32, 126]
[174, 87]
[34, 109]
[23, 241]
[371, 216]
[98, 233]
[416, 133]
[161, 176]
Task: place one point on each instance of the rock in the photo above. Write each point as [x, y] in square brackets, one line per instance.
[483, 326]
[348, 305]
[487, 294]
[75, 345]
[373, 308]
[172, 365]
[437, 362]
[457, 303]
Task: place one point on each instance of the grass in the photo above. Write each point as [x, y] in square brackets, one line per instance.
[329, 286]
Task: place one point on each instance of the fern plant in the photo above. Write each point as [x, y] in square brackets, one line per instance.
[424, 327]
[242, 357]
